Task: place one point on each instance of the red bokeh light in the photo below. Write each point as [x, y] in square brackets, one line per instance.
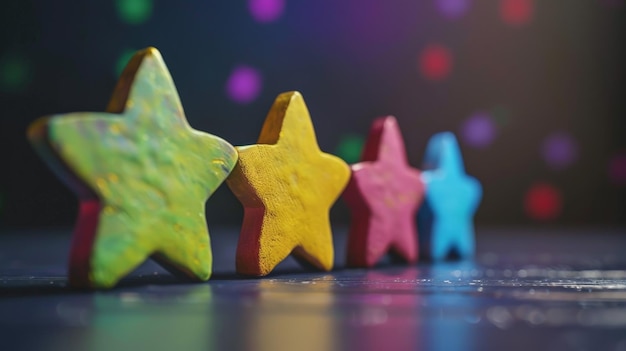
[435, 62]
[516, 12]
[543, 202]
[617, 169]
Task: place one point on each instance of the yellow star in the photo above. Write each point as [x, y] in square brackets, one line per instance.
[287, 186]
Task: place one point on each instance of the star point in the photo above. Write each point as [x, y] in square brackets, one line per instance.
[142, 175]
[383, 194]
[287, 186]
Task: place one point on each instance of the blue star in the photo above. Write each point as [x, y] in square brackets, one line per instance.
[445, 219]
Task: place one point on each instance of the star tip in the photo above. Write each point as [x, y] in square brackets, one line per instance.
[477, 182]
[444, 141]
[451, 141]
[294, 94]
[383, 123]
[232, 154]
[288, 99]
[204, 277]
[262, 270]
[141, 55]
[447, 136]
[151, 51]
[327, 268]
[291, 96]
[390, 121]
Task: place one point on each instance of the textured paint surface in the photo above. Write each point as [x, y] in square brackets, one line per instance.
[445, 220]
[287, 186]
[142, 175]
[383, 194]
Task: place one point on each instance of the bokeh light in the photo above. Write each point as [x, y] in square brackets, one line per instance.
[479, 130]
[350, 148]
[243, 85]
[452, 8]
[435, 62]
[501, 115]
[559, 150]
[516, 12]
[543, 202]
[15, 72]
[617, 169]
[134, 11]
[122, 61]
[265, 11]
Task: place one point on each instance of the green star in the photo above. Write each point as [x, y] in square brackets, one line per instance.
[142, 174]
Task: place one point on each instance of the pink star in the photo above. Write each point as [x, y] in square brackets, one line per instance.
[384, 194]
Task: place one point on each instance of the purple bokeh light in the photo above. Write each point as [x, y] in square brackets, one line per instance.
[453, 8]
[244, 84]
[617, 169]
[559, 150]
[478, 130]
[266, 11]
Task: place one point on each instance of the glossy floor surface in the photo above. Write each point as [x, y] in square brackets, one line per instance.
[525, 290]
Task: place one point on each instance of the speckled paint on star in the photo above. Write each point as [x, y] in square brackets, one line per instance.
[142, 174]
[287, 186]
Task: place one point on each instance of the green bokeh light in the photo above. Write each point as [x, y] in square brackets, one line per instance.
[134, 11]
[14, 73]
[122, 61]
[502, 115]
[350, 148]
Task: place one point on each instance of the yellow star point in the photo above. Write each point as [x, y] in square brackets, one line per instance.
[287, 186]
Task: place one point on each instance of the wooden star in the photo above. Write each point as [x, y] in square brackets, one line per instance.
[142, 175]
[383, 194]
[287, 186]
[445, 220]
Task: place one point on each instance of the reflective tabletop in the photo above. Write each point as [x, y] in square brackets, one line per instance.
[524, 290]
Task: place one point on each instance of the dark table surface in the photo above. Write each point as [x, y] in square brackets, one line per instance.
[525, 290]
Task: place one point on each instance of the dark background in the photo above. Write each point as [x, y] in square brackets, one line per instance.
[534, 89]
